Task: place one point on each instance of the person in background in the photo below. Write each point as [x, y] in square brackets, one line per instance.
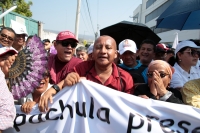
[127, 50]
[146, 51]
[33, 98]
[7, 37]
[47, 44]
[52, 48]
[187, 55]
[28, 39]
[60, 64]
[7, 107]
[90, 51]
[19, 41]
[101, 70]
[81, 52]
[161, 52]
[170, 58]
[159, 76]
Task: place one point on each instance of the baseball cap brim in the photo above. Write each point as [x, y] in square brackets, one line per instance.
[124, 50]
[11, 51]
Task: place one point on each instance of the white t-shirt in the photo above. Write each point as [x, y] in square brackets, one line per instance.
[180, 76]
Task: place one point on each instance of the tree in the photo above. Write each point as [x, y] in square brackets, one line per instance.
[23, 8]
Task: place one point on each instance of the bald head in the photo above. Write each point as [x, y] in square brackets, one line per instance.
[107, 39]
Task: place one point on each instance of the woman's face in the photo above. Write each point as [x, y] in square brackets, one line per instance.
[162, 70]
[188, 57]
[43, 84]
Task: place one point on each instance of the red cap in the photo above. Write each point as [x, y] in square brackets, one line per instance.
[66, 35]
[161, 47]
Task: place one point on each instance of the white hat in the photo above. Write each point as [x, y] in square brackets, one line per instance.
[5, 50]
[90, 49]
[18, 28]
[185, 44]
[127, 44]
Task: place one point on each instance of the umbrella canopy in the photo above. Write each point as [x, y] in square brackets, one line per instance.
[130, 30]
[181, 15]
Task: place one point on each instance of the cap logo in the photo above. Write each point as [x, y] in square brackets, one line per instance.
[21, 30]
[126, 44]
[67, 33]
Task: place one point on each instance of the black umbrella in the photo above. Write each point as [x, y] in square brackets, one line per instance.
[181, 15]
[130, 30]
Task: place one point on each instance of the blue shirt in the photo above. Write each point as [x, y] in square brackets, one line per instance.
[144, 73]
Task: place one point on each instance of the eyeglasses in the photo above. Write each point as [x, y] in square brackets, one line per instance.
[193, 52]
[8, 37]
[162, 75]
[73, 44]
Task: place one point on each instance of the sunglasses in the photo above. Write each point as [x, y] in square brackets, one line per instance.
[67, 43]
[193, 52]
[8, 37]
[162, 75]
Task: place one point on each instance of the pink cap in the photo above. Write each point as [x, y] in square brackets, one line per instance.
[66, 35]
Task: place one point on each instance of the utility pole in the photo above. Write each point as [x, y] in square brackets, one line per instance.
[78, 11]
[96, 34]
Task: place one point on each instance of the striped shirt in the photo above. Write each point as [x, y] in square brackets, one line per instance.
[7, 107]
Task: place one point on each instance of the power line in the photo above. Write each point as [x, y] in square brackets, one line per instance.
[90, 16]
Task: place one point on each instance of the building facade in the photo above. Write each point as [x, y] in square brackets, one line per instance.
[150, 10]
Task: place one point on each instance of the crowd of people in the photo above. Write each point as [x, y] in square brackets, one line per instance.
[147, 70]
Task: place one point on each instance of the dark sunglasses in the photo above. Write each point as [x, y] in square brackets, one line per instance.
[67, 43]
[193, 52]
[162, 75]
[8, 37]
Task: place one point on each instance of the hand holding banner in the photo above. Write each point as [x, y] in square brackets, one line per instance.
[88, 107]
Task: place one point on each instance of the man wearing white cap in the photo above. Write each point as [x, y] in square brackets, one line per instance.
[19, 41]
[127, 50]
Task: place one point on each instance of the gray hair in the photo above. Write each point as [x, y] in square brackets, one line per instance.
[81, 48]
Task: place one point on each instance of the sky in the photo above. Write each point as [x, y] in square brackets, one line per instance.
[60, 15]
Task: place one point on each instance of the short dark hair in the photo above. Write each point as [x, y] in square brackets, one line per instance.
[9, 29]
[148, 41]
[46, 40]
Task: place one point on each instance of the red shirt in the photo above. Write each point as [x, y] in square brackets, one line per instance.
[87, 69]
[59, 70]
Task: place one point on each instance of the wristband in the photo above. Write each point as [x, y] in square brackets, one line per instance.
[57, 88]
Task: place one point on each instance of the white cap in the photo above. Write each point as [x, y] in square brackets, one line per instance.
[90, 49]
[18, 28]
[4, 50]
[185, 44]
[127, 44]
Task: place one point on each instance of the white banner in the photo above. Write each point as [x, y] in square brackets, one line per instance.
[88, 107]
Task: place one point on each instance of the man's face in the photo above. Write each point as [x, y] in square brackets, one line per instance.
[47, 45]
[65, 49]
[104, 51]
[6, 38]
[129, 58]
[146, 53]
[82, 55]
[19, 40]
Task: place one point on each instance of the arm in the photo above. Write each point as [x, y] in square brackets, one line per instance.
[7, 107]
